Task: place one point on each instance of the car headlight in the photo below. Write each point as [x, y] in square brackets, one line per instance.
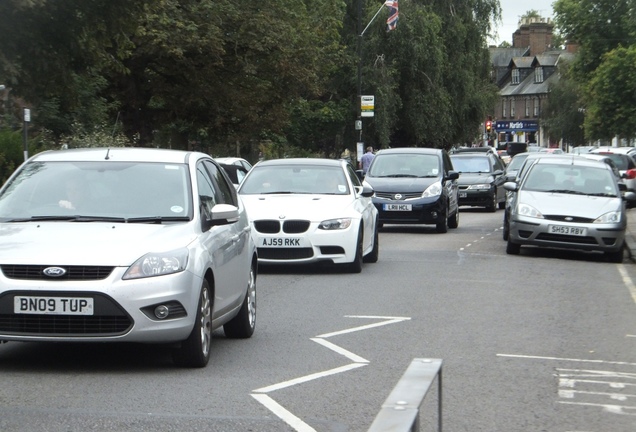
[528, 211]
[158, 264]
[481, 186]
[335, 224]
[609, 217]
[433, 190]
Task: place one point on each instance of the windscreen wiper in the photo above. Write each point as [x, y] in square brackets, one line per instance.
[69, 218]
[157, 219]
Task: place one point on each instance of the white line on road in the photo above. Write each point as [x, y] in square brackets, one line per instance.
[364, 327]
[351, 356]
[627, 281]
[310, 377]
[283, 414]
[566, 359]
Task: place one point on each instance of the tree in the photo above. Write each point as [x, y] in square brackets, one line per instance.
[611, 96]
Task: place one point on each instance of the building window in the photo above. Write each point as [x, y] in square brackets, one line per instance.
[503, 108]
[538, 74]
[515, 76]
[527, 107]
[536, 107]
[512, 108]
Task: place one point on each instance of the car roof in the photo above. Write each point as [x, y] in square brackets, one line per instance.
[411, 150]
[606, 149]
[118, 154]
[471, 154]
[473, 150]
[302, 161]
[569, 159]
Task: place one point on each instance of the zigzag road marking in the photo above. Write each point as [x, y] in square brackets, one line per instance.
[289, 418]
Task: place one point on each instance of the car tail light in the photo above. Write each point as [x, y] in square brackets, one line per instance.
[631, 173]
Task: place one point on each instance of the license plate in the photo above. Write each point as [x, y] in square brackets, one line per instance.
[568, 230]
[397, 207]
[53, 305]
[463, 194]
[286, 242]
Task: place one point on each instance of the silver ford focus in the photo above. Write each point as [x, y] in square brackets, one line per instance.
[568, 203]
[125, 245]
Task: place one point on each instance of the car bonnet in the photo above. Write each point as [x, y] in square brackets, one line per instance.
[401, 184]
[294, 206]
[585, 206]
[88, 243]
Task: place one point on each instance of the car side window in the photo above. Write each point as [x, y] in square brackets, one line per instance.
[207, 193]
[353, 176]
[225, 191]
[448, 164]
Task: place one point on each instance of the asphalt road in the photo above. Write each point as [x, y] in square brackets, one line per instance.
[543, 341]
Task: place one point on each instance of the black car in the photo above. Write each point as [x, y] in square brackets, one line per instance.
[234, 172]
[415, 186]
[481, 181]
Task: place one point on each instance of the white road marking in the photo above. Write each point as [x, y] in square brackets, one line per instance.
[288, 417]
[351, 356]
[309, 377]
[614, 409]
[566, 359]
[627, 281]
[283, 414]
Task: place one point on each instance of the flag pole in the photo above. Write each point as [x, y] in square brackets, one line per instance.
[372, 19]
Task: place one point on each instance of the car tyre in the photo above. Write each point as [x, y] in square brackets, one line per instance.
[453, 221]
[442, 225]
[372, 257]
[243, 324]
[512, 248]
[356, 265]
[502, 205]
[506, 228]
[615, 257]
[194, 352]
[492, 205]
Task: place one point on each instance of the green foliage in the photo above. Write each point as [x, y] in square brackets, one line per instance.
[611, 96]
[11, 153]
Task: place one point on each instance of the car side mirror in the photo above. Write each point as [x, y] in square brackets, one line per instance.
[367, 191]
[452, 175]
[511, 186]
[221, 214]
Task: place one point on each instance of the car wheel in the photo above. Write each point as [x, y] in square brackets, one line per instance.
[492, 205]
[506, 228]
[356, 265]
[442, 225]
[615, 257]
[195, 350]
[502, 205]
[453, 221]
[512, 248]
[242, 325]
[372, 257]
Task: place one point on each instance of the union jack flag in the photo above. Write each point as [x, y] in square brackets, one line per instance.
[391, 22]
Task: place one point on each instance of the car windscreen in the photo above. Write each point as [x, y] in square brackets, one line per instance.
[94, 190]
[405, 165]
[572, 179]
[470, 164]
[295, 179]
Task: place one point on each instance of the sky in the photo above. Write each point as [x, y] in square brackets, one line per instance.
[511, 11]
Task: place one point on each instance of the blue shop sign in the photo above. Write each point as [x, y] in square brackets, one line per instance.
[516, 126]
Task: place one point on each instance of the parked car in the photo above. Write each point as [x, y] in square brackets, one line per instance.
[481, 178]
[234, 161]
[569, 203]
[582, 149]
[236, 173]
[311, 210]
[513, 167]
[125, 245]
[415, 186]
[625, 163]
[625, 150]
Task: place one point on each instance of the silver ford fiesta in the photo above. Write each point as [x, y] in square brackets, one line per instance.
[125, 245]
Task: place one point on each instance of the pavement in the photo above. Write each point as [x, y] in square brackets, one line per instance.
[630, 234]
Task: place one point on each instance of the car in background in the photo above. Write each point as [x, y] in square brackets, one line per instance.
[515, 164]
[236, 173]
[568, 203]
[625, 150]
[624, 162]
[415, 186]
[482, 149]
[234, 161]
[582, 149]
[481, 180]
[310, 210]
[125, 245]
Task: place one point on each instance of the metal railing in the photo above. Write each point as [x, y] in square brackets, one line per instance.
[401, 410]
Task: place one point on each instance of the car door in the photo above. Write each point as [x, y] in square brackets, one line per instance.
[498, 169]
[365, 207]
[227, 246]
[450, 186]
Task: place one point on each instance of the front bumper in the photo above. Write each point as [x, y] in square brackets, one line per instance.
[422, 210]
[536, 232]
[122, 309]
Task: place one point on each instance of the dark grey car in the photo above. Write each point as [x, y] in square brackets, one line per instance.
[482, 178]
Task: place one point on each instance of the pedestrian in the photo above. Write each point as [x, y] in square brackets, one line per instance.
[366, 159]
